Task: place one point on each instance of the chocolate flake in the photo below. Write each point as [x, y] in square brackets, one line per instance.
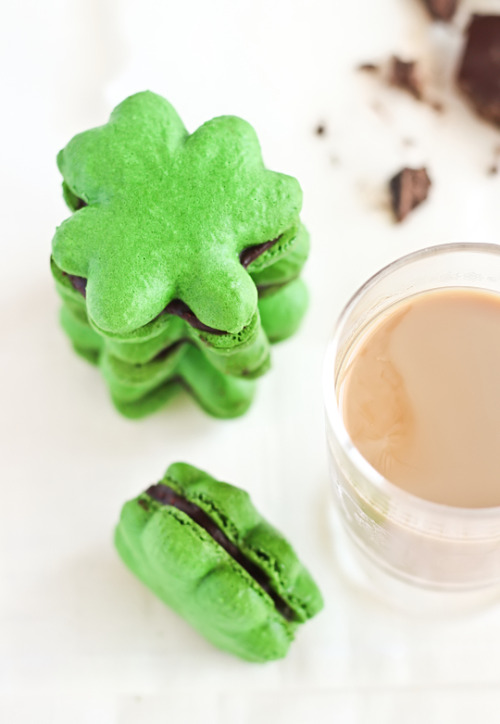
[442, 9]
[404, 74]
[320, 129]
[409, 188]
[165, 495]
[479, 71]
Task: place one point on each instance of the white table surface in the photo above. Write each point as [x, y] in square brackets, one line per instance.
[81, 641]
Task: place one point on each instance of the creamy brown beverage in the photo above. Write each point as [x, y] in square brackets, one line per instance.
[420, 396]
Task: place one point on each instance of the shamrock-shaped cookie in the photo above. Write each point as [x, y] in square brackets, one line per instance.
[164, 220]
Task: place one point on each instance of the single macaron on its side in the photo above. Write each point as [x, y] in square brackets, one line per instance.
[202, 547]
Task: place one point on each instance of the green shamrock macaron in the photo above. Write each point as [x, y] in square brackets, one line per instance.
[202, 547]
[167, 220]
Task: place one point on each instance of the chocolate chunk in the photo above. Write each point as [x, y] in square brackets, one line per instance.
[442, 9]
[165, 495]
[479, 71]
[404, 74]
[408, 189]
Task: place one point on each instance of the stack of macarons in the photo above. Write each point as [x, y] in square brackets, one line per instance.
[180, 262]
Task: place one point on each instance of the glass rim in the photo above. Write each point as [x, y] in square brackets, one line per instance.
[381, 484]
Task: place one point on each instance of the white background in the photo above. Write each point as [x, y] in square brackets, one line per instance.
[81, 641]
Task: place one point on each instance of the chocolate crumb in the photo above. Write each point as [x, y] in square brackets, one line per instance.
[404, 74]
[368, 67]
[479, 70]
[320, 130]
[437, 106]
[409, 188]
[493, 170]
[442, 9]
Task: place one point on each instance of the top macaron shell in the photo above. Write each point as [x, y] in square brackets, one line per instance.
[168, 214]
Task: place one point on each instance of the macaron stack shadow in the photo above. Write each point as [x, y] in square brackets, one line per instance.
[202, 547]
[180, 263]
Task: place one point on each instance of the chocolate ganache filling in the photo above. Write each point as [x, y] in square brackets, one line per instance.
[79, 203]
[165, 495]
[251, 253]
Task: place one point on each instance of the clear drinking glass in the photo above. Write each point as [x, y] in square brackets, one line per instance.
[428, 544]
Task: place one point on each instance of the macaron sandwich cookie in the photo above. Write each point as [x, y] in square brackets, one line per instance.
[180, 263]
[202, 547]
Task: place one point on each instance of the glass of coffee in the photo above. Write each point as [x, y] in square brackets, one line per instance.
[412, 398]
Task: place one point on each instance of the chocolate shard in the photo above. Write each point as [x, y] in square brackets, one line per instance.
[166, 496]
[442, 9]
[404, 74]
[408, 189]
[479, 70]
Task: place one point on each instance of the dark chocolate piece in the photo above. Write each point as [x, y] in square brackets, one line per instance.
[404, 74]
[320, 129]
[479, 71]
[408, 189]
[165, 495]
[442, 9]
[251, 253]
